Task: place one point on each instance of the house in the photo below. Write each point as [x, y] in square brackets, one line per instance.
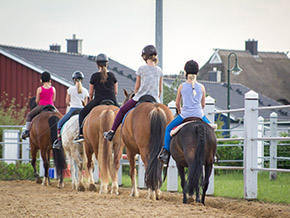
[267, 73]
[20, 70]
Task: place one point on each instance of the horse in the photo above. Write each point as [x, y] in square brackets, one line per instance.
[43, 132]
[193, 146]
[74, 152]
[143, 132]
[108, 154]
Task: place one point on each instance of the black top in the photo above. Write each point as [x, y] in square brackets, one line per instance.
[104, 90]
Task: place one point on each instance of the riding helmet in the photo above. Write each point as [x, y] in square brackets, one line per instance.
[148, 51]
[78, 75]
[45, 76]
[191, 67]
[102, 58]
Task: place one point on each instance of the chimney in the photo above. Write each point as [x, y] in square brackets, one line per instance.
[74, 45]
[55, 47]
[252, 46]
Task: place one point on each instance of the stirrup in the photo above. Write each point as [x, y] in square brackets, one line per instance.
[109, 135]
[79, 140]
[164, 156]
[56, 144]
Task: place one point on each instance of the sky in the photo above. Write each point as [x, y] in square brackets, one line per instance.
[192, 29]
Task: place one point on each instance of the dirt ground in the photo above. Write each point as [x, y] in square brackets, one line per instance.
[28, 199]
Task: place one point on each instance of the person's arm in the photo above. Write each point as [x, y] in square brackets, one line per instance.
[54, 94]
[91, 91]
[85, 102]
[160, 86]
[67, 99]
[116, 88]
[178, 99]
[203, 97]
[37, 97]
[137, 84]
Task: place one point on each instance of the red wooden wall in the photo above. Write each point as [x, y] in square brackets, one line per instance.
[21, 82]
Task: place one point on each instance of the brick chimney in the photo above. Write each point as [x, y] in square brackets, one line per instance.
[74, 45]
[54, 47]
[252, 47]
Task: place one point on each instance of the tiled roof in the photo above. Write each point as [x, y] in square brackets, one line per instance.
[62, 65]
[268, 73]
[218, 91]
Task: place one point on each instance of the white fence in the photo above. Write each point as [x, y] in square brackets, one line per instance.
[251, 155]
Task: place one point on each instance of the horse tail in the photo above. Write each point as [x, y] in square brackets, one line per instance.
[105, 150]
[153, 174]
[58, 154]
[195, 170]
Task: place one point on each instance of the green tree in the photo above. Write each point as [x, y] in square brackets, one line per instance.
[169, 93]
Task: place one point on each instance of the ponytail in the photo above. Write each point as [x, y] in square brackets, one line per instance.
[104, 71]
[79, 85]
[192, 77]
[151, 57]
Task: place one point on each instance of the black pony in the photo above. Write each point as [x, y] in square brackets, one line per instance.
[194, 146]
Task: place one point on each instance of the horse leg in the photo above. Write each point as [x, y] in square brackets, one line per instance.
[182, 182]
[208, 169]
[90, 168]
[116, 165]
[132, 162]
[46, 167]
[73, 170]
[33, 163]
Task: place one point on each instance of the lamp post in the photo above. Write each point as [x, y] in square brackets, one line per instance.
[236, 70]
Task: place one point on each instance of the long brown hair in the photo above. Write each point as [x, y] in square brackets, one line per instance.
[103, 69]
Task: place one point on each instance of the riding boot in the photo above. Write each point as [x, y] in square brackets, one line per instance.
[80, 137]
[109, 135]
[164, 156]
[25, 133]
[57, 143]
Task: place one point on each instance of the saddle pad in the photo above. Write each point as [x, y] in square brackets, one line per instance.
[175, 130]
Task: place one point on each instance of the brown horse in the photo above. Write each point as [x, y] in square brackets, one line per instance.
[108, 154]
[43, 132]
[143, 133]
[194, 146]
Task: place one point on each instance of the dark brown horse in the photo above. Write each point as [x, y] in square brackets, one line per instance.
[43, 132]
[108, 154]
[143, 133]
[194, 146]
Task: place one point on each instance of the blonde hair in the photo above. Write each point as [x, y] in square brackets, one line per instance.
[192, 77]
[79, 85]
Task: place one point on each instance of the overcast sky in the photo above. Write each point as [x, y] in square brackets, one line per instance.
[121, 28]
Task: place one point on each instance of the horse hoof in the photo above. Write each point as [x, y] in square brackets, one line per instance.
[92, 187]
[38, 181]
[81, 188]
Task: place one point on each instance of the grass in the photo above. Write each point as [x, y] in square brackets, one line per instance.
[230, 184]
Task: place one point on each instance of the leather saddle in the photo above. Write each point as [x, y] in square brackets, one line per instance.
[146, 98]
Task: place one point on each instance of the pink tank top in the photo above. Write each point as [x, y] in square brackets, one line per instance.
[46, 96]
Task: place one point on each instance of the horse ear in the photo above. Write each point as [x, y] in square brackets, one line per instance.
[125, 92]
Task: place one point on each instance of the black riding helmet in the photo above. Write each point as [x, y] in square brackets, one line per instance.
[148, 51]
[45, 76]
[191, 67]
[78, 75]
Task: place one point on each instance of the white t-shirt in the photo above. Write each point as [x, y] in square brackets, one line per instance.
[150, 78]
[76, 98]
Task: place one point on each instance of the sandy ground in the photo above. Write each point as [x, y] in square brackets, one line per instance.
[28, 199]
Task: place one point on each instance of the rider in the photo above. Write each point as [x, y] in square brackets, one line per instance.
[76, 98]
[104, 86]
[193, 98]
[148, 82]
[45, 95]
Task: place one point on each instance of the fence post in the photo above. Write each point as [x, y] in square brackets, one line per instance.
[11, 149]
[25, 149]
[210, 107]
[41, 168]
[120, 170]
[260, 143]
[250, 145]
[96, 170]
[273, 144]
[141, 173]
[172, 178]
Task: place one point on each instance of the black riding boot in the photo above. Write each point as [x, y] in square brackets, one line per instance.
[164, 156]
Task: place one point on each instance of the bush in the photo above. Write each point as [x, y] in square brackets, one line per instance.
[18, 171]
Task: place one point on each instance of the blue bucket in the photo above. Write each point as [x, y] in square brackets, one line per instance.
[51, 173]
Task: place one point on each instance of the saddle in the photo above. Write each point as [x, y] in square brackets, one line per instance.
[107, 102]
[188, 120]
[146, 98]
[49, 107]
